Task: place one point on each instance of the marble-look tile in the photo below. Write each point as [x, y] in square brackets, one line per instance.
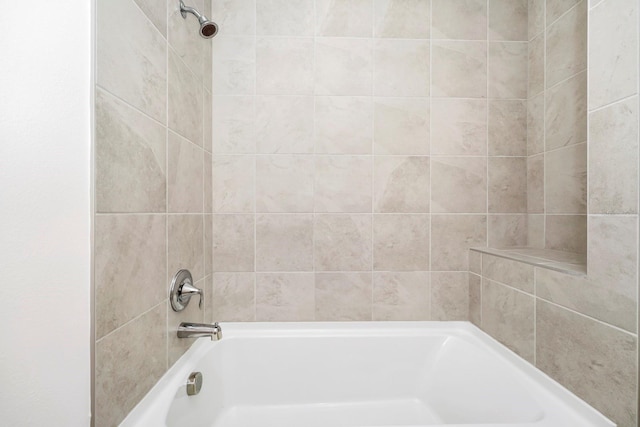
[449, 296]
[566, 180]
[208, 186]
[343, 125]
[343, 184]
[507, 184]
[176, 347]
[613, 155]
[566, 113]
[131, 57]
[156, 11]
[119, 386]
[186, 43]
[458, 184]
[130, 259]
[401, 184]
[233, 184]
[596, 362]
[343, 66]
[400, 242]
[536, 17]
[233, 297]
[507, 230]
[404, 19]
[130, 159]
[401, 296]
[284, 17]
[556, 8]
[458, 127]
[459, 19]
[207, 73]
[237, 17]
[535, 125]
[284, 242]
[344, 18]
[507, 128]
[535, 231]
[459, 69]
[508, 272]
[343, 296]
[508, 62]
[566, 233]
[185, 176]
[207, 114]
[233, 243]
[566, 42]
[284, 66]
[402, 68]
[452, 236]
[234, 65]
[536, 66]
[285, 124]
[285, 297]
[508, 316]
[475, 299]
[401, 126]
[233, 124]
[342, 242]
[475, 262]
[284, 184]
[208, 244]
[613, 49]
[508, 20]
[535, 184]
[185, 245]
[185, 101]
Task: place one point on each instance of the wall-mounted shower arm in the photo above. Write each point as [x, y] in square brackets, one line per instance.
[208, 28]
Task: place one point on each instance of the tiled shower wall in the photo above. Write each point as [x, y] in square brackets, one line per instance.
[152, 191]
[360, 147]
[583, 330]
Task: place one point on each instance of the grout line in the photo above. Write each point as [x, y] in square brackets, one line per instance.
[611, 104]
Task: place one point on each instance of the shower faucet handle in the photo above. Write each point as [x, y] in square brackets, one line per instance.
[182, 289]
[187, 291]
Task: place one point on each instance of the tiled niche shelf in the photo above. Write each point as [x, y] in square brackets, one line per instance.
[565, 262]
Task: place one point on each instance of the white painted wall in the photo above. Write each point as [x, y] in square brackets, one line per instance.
[45, 205]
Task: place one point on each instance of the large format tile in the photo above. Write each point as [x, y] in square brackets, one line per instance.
[566, 180]
[285, 297]
[459, 19]
[233, 184]
[475, 299]
[233, 243]
[401, 184]
[535, 184]
[404, 19]
[535, 125]
[284, 242]
[185, 245]
[237, 17]
[284, 124]
[459, 69]
[458, 184]
[343, 125]
[185, 100]
[536, 66]
[566, 43]
[185, 176]
[343, 66]
[458, 127]
[402, 68]
[233, 297]
[507, 128]
[449, 295]
[508, 63]
[508, 20]
[343, 296]
[185, 40]
[512, 273]
[234, 62]
[284, 184]
[342, 242]
[507, 230]
[284, 66]
[401, 296]
[284, 17]
[536, 17]
[344, 18]
[452, 236]
[343, 184]
[556, 8]
[400, 242]
[156, 11]
[566, 233]
[566, 113]
[401, 126]
[507, 184]
[233, 124]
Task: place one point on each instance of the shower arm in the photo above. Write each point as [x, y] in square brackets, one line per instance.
[187, 9]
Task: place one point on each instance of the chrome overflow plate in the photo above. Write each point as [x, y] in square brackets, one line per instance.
[194, 383]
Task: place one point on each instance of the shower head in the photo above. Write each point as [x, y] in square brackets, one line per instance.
[208, 28]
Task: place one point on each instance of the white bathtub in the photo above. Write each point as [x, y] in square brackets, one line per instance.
[358, 374]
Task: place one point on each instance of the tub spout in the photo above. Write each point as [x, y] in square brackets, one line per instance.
[197, 330]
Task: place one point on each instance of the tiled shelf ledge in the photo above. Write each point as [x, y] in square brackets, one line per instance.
[564, 262]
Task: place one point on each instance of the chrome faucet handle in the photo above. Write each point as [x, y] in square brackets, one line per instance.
[182, 289]
[187, 290]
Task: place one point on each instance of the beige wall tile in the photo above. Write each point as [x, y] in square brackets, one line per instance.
[401, 296]
[156, 12]
[185, 100]
[566, 42]
[508, 63]
[400, 242]
[284, 66]
[343, 184]
[508, 272]
[596, 362]
[284, 124]
[119, 386]
[234, 62]
[535, 184]
[475, 299]
[233, 184]
[507, 184]
[401, 126]
[507, 128]
[452, 236]
[233, 297]
[185, 178]
[566, 180]
[343, 66]
[458, 127]
[508, 316]
[459, 69]
[285, 297]
[208, 244]
[207, 131]
[344, 18]
[401, 184]
[193, 313]
[284, 183]
[237, 17]
[130, 259]
[186, 43]
[508, 20]
[130, 159]
[535, 231]
[566, 233]
[404, 19]
[233, 243]
[556, 8]
[285, 17]
[458, 184]
[284, 242]
[185, 245]
[507, 230]
[475, 262]
[131, 57]
[342, 242]
[536, 65]
[536, 17]
[233, 124]
[343, 125]
[613, 155]
[459, 19]
[402, 68]
[535, 125]
[449, 296]
[343, 296]
[566, 113]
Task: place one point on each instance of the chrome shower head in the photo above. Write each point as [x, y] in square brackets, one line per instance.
[208, 28]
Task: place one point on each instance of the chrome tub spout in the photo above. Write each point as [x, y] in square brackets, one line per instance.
[197, 330]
